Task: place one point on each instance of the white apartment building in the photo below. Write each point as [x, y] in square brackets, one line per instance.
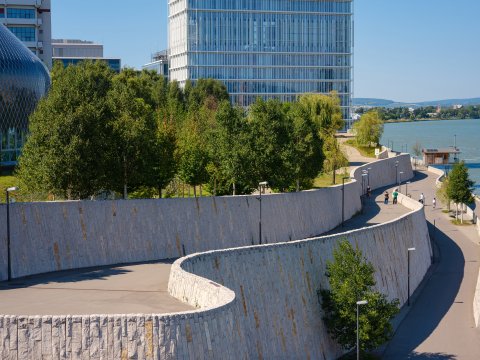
[30, 21]
[68, 48]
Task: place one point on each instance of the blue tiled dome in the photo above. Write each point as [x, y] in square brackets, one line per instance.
[24, 79]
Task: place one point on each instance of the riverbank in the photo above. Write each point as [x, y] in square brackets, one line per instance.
[394, 121]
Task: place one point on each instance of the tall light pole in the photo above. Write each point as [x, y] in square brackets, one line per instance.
[343, 199]
[400, 183]
[361, 302]
[396, 172]
[406, 188]
[368, 172]
[261, 186]
[408, 270]
[9, 258]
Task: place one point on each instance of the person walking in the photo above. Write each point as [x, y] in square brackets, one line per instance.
[386, 198]
[422, 198]
[369, 191]
[434, 203]
[395, 196]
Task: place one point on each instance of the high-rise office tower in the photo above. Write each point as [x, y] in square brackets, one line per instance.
[30, 21]
[269, 48]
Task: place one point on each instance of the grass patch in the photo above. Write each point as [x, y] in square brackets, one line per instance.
[366, 151]
[445, 211]
[459, 222]
[326, 180]
[21, 195]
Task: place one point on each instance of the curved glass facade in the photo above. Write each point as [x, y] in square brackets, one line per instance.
[24, 79]
[268, 48]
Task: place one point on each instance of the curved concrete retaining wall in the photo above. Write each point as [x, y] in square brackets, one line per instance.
[254, 302]
[277, 312]
[68, 235]
[56, 236]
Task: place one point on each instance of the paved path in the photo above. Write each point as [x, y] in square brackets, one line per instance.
[440, 324]
[108, 290]
[374, 212]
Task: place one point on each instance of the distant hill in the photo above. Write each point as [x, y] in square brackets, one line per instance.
[372, 102]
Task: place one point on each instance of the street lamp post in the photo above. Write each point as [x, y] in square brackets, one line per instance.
[343, 199]
[368, 173]
[396, 172]
[9, 259]
[406, 187]
[361, 302]
[408, 270]
[261, 186]
[400, 183]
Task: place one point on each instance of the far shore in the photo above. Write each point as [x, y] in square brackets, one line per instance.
[418, 120]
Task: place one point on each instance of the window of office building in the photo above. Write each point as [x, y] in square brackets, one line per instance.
[2, 12]
[16, 13]
[23, 33]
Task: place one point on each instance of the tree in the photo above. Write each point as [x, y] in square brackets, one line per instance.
[351, 279]
[369, 129]
[133, 130]
[417, 150]
[268, 143]
[227, 147]
[66, 151]
[326, 112]
[306, 147]
[460, 187]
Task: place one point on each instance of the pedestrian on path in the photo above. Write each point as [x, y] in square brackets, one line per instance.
[434, 203]
[395, 196]
[422, 198]
[386, 198]
[369, 191]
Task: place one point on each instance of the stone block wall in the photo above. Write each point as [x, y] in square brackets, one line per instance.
[54, 236]
[254, 302]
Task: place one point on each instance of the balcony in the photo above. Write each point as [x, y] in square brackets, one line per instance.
[36, 3]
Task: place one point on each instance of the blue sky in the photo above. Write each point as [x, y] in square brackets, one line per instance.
[408, 50]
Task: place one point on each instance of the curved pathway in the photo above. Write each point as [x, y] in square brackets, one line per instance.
[440, 324]
[133, 289]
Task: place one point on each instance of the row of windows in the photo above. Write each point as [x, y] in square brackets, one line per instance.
[23, 33]
[256, 59]
[268, 32]
[15, 13]
[279, 73]
[275, 5]
[285, 87]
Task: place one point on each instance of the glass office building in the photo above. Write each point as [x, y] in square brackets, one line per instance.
[24, 79]
[269, 48]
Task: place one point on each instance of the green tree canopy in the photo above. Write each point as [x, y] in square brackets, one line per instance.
[459, 186]
[68, 131]
[351, 279]
[369, 129]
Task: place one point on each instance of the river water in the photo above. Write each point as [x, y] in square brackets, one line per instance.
[439, 134]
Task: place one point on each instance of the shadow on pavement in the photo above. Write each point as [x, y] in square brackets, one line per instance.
[434, 301]
[73, 276]
[426, 356]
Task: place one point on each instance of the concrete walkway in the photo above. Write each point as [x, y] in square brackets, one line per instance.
[108, 290]
[440, 324]
[375, 211]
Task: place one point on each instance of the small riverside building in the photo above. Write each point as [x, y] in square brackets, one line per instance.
[440, 156]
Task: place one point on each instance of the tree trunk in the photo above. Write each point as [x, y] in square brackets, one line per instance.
[462, 214]
[125, 193]
[183, 190]
[159, 192]
[298, 185]
[234, 190]
[201, 190]
[189, 189]
[215, 187]
[194, 191]
[334, 173]
[456, 211]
